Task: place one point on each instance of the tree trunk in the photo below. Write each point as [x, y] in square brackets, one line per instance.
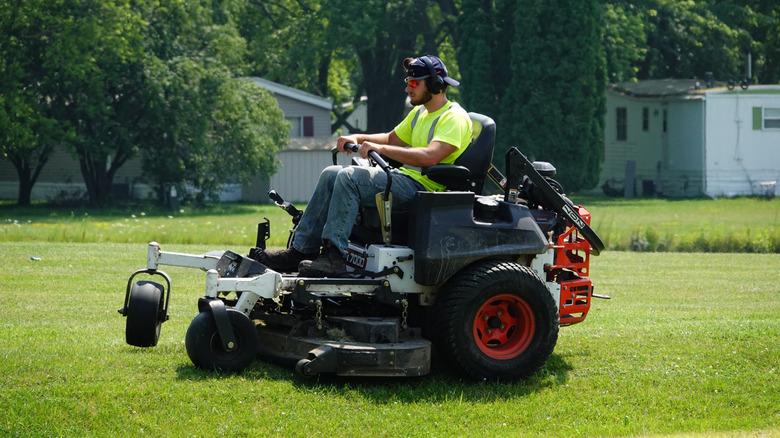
[97, 179]
[384, 89]
[28, 176]
[383, 80]
[25, 182]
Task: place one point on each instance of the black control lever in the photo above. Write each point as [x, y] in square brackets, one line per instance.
[286, 206]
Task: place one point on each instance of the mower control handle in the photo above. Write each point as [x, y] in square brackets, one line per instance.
[286, 206]
[352, 147]
[275, 197]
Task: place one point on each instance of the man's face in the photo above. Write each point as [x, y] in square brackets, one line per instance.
[417, 91]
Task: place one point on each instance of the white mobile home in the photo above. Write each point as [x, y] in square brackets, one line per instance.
[677, 138]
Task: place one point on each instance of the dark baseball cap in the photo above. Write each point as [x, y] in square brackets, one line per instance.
[416, 68]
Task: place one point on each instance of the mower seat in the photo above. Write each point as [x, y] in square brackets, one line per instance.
[467, 173]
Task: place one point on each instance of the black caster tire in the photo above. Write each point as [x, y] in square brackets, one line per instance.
[300, 368]
[497, 321]
[204, 346]
[144, 314]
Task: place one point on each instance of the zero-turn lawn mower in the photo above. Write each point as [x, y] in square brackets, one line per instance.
[486, 279]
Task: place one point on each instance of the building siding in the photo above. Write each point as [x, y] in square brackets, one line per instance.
[739, 157]
[672, 161]
[295, 108]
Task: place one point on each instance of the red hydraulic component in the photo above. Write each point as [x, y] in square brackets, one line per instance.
[571, 269]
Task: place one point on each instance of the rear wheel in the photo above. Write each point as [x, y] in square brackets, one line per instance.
[144, 314]
[205, 349]
[497, 320]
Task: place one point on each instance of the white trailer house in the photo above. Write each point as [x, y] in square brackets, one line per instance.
[678, 138]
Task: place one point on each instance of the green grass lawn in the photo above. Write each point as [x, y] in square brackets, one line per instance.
[711, 225]
[721, 225]
[690, 343]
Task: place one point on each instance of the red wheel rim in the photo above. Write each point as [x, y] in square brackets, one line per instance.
[503, 326]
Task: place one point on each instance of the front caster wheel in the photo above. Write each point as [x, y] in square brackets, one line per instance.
[204, 345]
[497, 320]
[144, 314]
[302, 369]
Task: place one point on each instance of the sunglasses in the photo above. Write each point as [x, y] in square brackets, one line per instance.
[414, 82]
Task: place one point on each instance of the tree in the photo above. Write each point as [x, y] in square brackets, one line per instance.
[685, 40]
[202, 125]
[758, 24]
[625, 40]
[111, 79]
[27, 132]
[92, 75]
[554, 105]
[206, 128]
[381, 33]
[288, 42]
[476, 55]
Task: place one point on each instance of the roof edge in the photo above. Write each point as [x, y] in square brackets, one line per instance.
[293, 93]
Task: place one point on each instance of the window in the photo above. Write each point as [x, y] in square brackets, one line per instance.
[771, 118]
[621, 123]
[645, 119]
[301, 126]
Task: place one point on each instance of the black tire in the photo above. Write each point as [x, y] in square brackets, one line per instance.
[144, 314]
[525, 321]
[300, 367]
[204, 345]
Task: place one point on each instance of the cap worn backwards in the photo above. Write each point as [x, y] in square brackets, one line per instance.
[416, 68]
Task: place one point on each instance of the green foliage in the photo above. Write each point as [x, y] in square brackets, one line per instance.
[381, 33]
[653, 39]
[101, 77]
[52, 59]
[476, 53]
[553, 108]
[289, 42]
[625, 41]
[686, 40]
[206, 128]
[111, 79]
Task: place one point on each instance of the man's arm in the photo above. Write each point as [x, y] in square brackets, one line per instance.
[420, 157]
[386, 138]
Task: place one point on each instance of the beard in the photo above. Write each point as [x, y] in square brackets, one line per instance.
[425, 98]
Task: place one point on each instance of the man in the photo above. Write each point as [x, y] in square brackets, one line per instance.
[435, 131]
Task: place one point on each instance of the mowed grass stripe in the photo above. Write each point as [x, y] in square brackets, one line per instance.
[688, 344]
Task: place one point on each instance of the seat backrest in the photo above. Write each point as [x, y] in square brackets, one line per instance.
[479, 154]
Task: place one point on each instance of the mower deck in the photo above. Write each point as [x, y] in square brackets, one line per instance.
[350, 346]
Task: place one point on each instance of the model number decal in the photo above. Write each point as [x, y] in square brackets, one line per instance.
[573, 216]
[355, 259]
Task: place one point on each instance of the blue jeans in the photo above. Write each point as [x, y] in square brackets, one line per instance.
[339, 194]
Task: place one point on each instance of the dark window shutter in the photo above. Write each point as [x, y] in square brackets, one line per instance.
[758, 115]
[621, 119]
[308, 126]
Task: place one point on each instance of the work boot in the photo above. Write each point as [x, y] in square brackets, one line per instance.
[330, 263]
[285, 260]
